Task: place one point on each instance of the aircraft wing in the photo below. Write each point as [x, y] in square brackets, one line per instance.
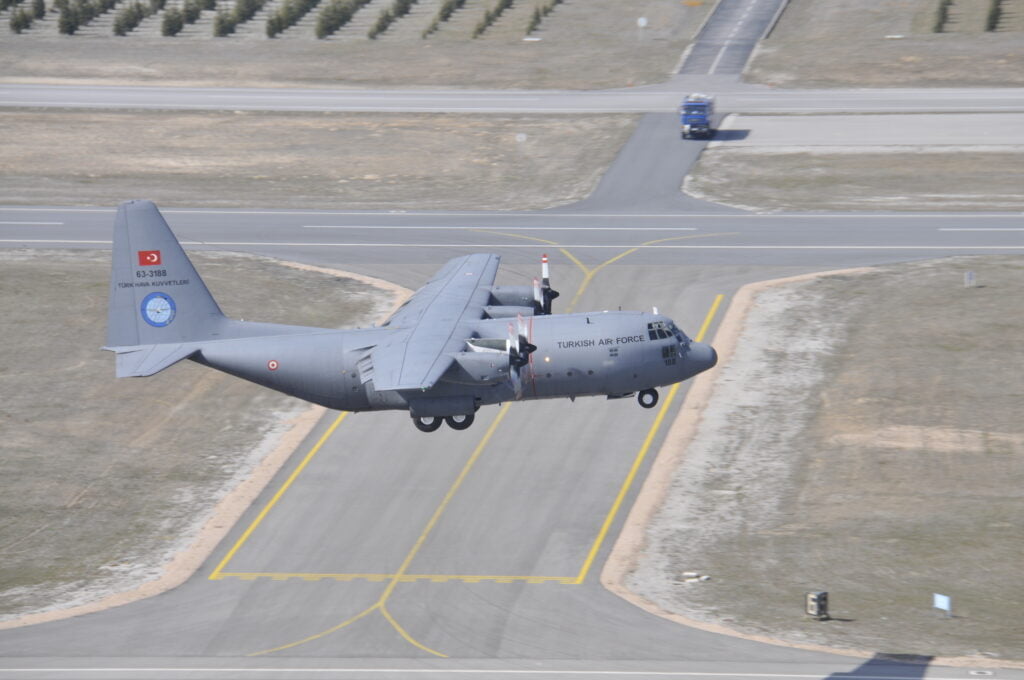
[433, 324]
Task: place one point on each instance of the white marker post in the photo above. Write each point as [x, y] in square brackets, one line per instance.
[969, 279]
[943, 602]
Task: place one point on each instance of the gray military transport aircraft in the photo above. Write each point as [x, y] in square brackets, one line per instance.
[458, 343]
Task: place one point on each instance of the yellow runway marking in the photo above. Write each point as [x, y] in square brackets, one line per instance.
[639, 459]
[277, 496]
[405, 578]
[526, 238]
[400, 575]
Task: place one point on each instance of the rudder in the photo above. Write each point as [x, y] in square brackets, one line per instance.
[156, 295]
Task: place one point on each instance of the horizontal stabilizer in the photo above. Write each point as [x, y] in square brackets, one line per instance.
[144, 360]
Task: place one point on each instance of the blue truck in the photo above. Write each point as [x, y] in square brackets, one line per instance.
[695, 114]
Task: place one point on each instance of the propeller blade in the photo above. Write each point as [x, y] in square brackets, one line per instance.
[546, 289]
[517, 383]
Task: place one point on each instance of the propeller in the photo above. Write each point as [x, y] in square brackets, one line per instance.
[520, 347]
[547, 294]
[519, 350]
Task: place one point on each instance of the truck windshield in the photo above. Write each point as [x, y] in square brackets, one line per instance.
[694, 110]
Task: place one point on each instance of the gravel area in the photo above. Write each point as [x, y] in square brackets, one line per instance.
[855, 444]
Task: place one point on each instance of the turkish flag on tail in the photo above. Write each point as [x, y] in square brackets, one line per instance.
[149, 257]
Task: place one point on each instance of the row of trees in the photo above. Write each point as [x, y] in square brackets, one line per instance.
[490, 16]
[288, 14]
[444, 13]
[399, 8]
[226, 22]
[539, 13]
[176, 18]
[132, 14]
[335, 14]
[76, 13]
[22, 18]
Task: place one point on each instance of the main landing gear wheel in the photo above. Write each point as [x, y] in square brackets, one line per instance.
[427, 424]
[648, 398]
[460, 422]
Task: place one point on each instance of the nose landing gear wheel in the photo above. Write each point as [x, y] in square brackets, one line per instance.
[648, 398]
[427, 424]
[460, 422]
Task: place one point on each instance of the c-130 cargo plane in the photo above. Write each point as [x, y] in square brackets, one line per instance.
[459, 343]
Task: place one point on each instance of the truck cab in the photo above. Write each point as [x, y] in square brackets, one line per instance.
[695, 116]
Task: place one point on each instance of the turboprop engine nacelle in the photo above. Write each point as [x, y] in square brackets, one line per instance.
[513, 296]
[486, 362]
[508, 312]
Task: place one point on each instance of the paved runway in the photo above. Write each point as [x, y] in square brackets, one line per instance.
[452, 549]
[731, 96]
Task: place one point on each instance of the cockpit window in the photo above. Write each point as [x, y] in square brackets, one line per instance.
[680, 336]
[658, 330]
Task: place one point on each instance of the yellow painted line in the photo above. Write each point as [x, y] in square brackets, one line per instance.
[321, 634]
[406, 578]
[505, 233]
[688, 237]
[400, 575]
[590, 275]
[408, 638]
[707, 319]
[639, 459]
[216, 575]
[575, 260]
[444, 503]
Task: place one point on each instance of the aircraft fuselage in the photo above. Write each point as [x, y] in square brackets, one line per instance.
[604, 353]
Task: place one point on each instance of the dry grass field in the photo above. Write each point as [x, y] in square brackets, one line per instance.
[865, 440]
[101, 479]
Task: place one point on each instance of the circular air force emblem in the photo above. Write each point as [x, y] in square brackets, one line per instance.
[158, 309]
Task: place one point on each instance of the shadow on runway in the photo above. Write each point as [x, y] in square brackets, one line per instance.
[907, 666]
[730, 135]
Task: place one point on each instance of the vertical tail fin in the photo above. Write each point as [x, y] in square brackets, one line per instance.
[156, 296]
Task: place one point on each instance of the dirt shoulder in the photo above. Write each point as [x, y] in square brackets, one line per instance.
[105, 481]
[863, 439]
[293, 160]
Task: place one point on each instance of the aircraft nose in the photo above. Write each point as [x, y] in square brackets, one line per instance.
[701, 357]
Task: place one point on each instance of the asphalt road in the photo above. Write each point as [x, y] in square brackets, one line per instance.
[988, 130]
[731, 95]
[727, 39]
